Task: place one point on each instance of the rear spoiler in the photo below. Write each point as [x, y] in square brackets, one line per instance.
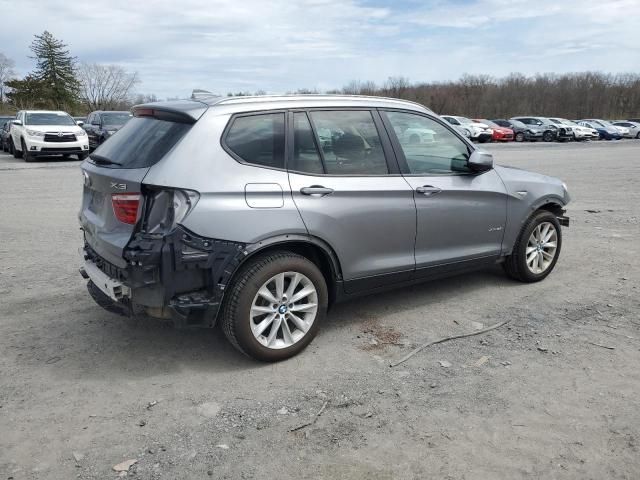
[180, 111]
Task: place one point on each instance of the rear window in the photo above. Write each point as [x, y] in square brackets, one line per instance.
[141, 143]
[258, 139]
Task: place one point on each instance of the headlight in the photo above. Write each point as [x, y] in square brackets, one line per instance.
[81, 133]
[35, 133]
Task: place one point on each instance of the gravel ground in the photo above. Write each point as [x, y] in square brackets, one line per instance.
[553, 395]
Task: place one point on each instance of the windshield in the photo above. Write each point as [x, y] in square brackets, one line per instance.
[569, 122]
[556, 121]
[52, 118]
[464, 120]
[115, 118]
[142, 142]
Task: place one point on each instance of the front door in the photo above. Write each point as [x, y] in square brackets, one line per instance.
[461, 214]
[351, 195]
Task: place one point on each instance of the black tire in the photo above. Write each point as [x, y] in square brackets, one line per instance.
[11, 149]
[516, 264]
[16, 153]
[82, 156]
[638, 135]
[519, 137]
[235, 320]
[25, 153]
[548, 136]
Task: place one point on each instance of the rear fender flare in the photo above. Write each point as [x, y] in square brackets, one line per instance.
[283, 240]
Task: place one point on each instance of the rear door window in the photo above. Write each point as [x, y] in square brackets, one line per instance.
[306, 157]
[141, 143]
[350, 142]
[257, 139]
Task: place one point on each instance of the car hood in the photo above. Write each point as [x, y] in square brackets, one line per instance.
[537, 185]
[55, 128]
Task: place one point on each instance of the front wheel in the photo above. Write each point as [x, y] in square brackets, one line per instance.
[28, 157]
[519, 137]
[275, 306]
[537, 248]
[548, 136]
[17, 153]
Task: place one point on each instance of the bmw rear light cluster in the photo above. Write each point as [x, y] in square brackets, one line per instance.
[166, 208]
[125, 207]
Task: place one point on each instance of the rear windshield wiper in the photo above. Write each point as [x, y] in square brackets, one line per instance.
[103, 160]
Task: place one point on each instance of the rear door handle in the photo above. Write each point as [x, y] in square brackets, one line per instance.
[316, 190]
[428, 190]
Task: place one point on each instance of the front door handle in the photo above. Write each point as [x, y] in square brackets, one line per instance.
[428, 190]
[316, 190]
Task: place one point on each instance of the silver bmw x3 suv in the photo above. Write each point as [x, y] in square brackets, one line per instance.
[260, 212]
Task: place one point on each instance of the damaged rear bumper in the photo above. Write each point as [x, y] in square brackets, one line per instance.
[180, 276]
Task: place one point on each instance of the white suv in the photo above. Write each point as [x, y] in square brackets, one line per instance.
[40, 132]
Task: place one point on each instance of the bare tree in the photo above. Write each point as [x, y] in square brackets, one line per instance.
[106, 87]
[7, 73]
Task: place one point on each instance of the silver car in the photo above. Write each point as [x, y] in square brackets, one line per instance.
[258, 213]
[633, 128]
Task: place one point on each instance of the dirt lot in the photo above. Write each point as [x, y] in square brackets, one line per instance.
[82, 390]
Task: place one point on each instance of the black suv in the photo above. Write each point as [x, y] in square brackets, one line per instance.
[100, 125]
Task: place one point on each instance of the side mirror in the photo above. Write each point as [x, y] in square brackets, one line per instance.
[16, 122]
[80, 123]
[480, 161]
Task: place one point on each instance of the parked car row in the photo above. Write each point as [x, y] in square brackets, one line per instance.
[34, 133]
[548, 129]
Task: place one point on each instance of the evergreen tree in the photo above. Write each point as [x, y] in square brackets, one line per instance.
[56, 69]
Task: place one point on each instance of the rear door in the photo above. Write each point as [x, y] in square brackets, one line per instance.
[347, 187]
[461, 214]
[113, 175]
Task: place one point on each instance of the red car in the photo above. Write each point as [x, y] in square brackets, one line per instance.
[500, 134]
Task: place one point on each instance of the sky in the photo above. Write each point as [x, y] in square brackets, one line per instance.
[283, 45]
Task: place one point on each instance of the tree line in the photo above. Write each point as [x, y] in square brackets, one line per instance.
[568, 95]
[59, 81]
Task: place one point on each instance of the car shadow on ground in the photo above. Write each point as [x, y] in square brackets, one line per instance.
[89, 343]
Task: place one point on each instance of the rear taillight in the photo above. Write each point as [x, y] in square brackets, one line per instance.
[125, 207]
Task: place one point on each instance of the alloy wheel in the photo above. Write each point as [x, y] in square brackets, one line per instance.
[283, 310]
[541, 247]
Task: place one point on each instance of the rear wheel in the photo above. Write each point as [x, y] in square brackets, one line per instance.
[537, 248]
[275, 306]
[82, 156]
[519, 137]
